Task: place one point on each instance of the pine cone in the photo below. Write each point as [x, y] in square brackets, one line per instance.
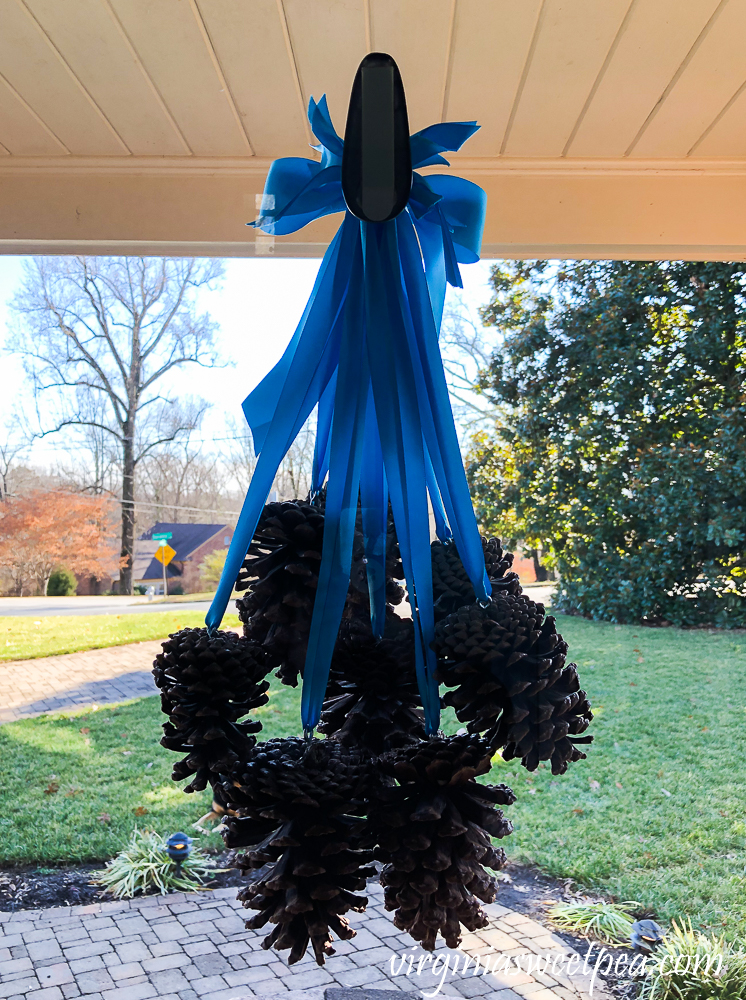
[282, 570]
[372, 697]
[506, 664]
[299, 805]
[207, 683]
[434, 830]
[452, 588]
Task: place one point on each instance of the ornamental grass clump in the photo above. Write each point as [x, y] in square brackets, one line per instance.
[690, 965]
[610, 923]
[144, 867]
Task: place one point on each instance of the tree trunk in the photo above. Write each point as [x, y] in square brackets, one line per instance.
[539, 570]
[128, 513]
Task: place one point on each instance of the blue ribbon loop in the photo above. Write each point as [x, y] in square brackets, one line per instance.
[366, 354]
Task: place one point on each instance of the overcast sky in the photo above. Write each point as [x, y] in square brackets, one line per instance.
[257, 307]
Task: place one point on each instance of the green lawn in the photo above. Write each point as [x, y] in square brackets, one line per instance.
[75, 785]
[657, 813]
[24, 637]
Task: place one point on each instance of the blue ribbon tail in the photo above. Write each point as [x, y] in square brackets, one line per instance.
[374, 509]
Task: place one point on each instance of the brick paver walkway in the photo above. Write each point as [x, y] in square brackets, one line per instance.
[195, 947]
[95, 677]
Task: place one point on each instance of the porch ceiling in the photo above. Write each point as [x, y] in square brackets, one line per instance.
[609, 127]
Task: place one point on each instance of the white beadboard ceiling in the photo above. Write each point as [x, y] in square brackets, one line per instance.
[186, 89]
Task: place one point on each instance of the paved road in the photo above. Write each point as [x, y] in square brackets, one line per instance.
[41, 607]
[195, 947]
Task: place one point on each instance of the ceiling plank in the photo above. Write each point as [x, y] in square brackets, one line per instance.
[416, 35]
[328, 41]
[639, 72]
[727, 134]
[34, 68]
[711, 76]
[491, 44]
[22, 132]
[248, 41]
[574, 38]
[171, 47]
[93, 47]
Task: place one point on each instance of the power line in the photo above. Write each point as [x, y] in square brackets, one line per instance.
[173, 506]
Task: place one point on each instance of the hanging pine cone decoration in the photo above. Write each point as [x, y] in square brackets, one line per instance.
[372, 697]
[506, 664]
[452, 588]
[300, 804]
[282, 570]
[207, 683]
[358, 597]
[433, 830]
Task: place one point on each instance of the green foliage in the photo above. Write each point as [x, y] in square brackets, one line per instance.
[62, 583]
[145, 867]
[211, 568]
[625, 452]
[690, 965]
[607, 922]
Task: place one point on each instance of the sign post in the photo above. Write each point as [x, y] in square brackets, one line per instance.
[164, 554]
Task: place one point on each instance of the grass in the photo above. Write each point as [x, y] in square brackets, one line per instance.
[658, 811]
[73, 786]
[202, 595]
[23, 638]
[656, 814]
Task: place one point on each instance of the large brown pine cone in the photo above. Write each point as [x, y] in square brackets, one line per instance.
[506, 665]
[207, 683]
[372, 699]
[433, 830]
[299, 804]
[452, 588]
[281, 569]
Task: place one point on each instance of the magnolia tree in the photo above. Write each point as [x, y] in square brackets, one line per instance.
[46, 529]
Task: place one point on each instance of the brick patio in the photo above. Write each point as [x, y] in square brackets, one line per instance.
[195, 947]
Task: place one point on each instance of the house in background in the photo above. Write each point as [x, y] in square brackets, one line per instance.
[192, 542]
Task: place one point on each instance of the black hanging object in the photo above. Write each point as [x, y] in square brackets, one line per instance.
[377, 162]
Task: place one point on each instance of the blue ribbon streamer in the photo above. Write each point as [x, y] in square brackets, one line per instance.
[365, 353]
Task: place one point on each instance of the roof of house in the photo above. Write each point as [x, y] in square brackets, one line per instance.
[185, 539]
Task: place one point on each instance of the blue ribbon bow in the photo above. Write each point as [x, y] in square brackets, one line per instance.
[366, 353]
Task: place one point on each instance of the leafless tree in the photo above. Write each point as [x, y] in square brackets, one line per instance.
[237, 456]
[467, 347]
[178, 483]
[293, 478]
[99, 336]
[15, 441]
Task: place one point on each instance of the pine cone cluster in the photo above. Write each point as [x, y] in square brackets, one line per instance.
[452, 588]
[358, 597]
[299, 805]
[306, 818]
[372, 697]
[506, 666]
[282, 570]
[433, 829]
[207, 683]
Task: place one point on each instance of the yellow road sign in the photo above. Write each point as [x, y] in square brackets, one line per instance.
[164, 554]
